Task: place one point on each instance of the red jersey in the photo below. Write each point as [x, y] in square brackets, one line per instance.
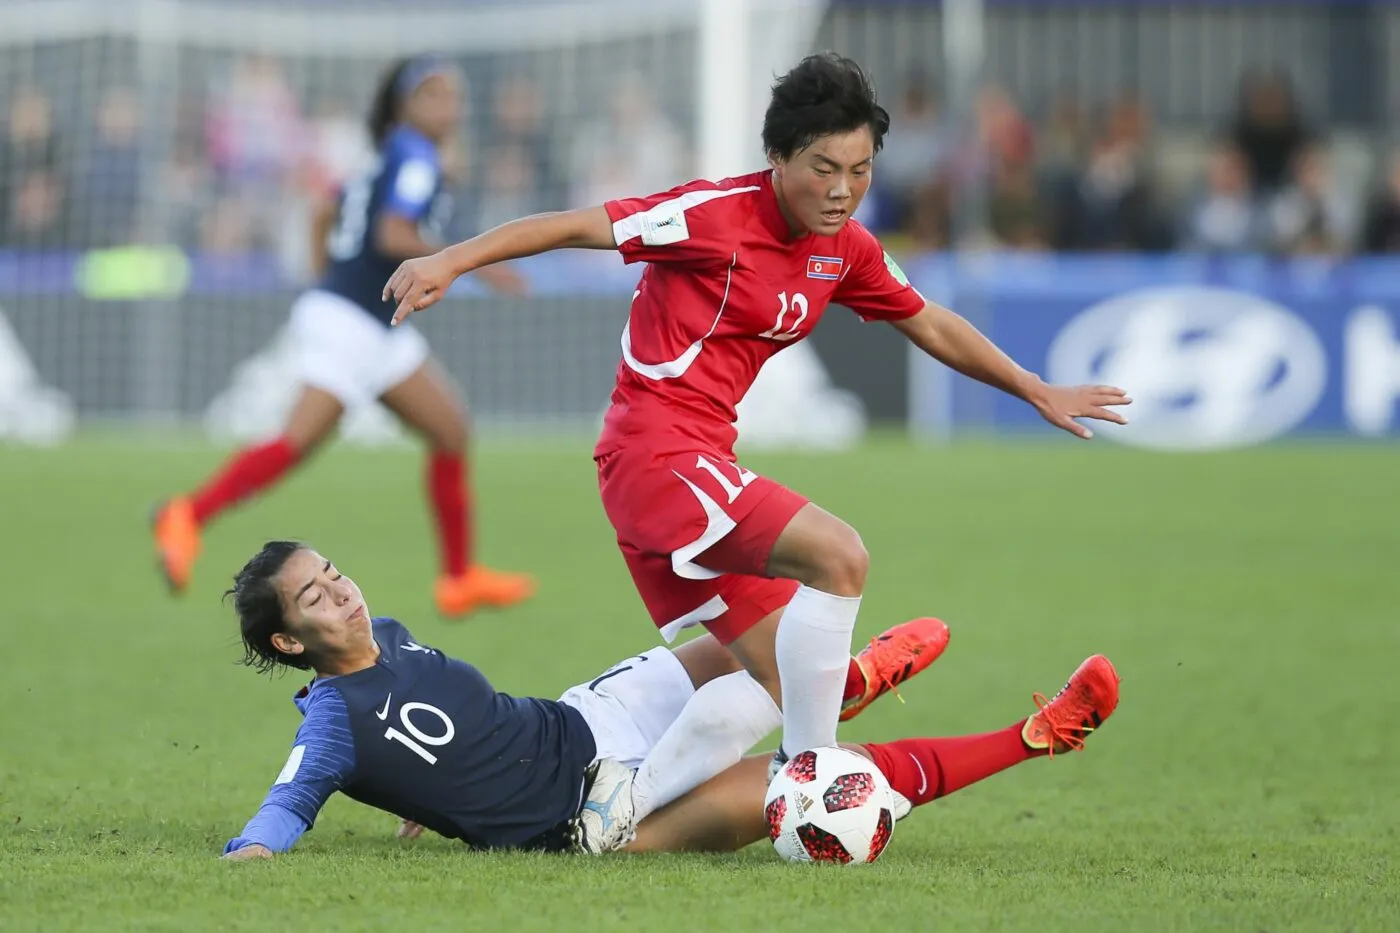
[725, 288]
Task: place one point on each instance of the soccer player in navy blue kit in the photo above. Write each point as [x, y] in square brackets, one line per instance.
[402, 727]
[348, 356]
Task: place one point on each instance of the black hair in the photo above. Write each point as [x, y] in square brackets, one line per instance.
[259, 607]
[824, 94]
[384, 111]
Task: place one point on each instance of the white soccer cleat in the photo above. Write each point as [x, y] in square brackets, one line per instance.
[775, 764]
[607, 819]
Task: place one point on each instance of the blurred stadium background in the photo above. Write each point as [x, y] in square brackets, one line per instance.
[157, 159]
[1194, 199]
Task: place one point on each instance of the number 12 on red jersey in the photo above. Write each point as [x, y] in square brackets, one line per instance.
[799, 306]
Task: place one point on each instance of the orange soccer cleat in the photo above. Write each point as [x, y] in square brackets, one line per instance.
[893, 657]
[1089, 698]
[481, 587]
[176, 534]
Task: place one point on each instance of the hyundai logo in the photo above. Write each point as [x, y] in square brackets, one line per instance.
[1207, 368]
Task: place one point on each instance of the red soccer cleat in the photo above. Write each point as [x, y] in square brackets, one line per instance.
[481, 587]
[177, 542]
[1089, 698]
[893, 657]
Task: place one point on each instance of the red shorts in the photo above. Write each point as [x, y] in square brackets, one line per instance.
[668, 510]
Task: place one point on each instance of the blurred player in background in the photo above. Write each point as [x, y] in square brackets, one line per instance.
[347, 355]
[737, 270]
[405, 728]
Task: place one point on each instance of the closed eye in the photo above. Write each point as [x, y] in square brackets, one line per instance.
[338, 576]
[310, 583]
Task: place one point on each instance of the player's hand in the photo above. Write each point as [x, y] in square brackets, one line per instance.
[419, 283]
[249, 852]
[1060, 405]
[410, 830]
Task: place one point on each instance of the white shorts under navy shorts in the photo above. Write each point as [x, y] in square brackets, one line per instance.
[632, 704]
[343, 350]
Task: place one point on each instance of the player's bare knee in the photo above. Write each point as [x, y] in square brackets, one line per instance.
[843, 563]
[304, 439]
[449, 442]
[446, 435]
[823, 552]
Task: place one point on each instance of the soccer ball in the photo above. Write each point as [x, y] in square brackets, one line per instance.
[829, 805]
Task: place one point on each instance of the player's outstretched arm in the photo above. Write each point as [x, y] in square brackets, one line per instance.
[877, 289]
[950, 339]
[419, 283]
[276, 827]
[321, 762]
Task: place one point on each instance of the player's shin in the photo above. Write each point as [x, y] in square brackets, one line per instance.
[721, 721]
[449, 497]
[245, 474]
[722, 815]
[926, 769]
[813, 649]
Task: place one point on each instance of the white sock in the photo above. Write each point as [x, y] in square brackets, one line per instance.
[814, 655]
[724, 719]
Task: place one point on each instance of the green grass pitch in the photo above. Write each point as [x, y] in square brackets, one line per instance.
[1248, 781]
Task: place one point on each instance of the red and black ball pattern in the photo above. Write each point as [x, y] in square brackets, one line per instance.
[883, 830]
[803, 767]
[847, 791]
[821, 845]
[774, 813]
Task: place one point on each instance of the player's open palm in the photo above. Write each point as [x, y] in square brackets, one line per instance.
[419, 283]
[1060, 405]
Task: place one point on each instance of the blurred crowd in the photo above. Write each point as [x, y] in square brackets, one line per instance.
[236, 165]
[1086, 178]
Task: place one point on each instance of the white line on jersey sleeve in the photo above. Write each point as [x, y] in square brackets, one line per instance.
[656, 225]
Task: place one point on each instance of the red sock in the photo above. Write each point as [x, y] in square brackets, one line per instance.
[247, 472]
[855, 683]
[925, 769]
[447, 488]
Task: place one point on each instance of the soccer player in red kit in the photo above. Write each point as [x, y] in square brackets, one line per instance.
[738, 269]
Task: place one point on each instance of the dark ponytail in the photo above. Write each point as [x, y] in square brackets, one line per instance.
[384, 112]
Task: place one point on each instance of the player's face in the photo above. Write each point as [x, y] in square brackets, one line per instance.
[435, 105]
[821, 186]
[324, 609]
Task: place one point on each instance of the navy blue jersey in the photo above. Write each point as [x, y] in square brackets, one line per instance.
[426, 737]
[405, 178]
